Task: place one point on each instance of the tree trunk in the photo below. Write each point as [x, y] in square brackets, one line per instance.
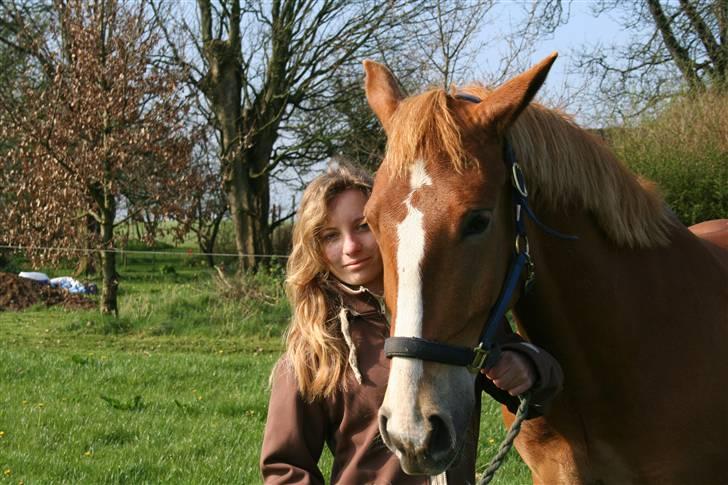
[236, 184]
[259, 204]
[110, 282]
[680, 55]
[87, 263]
[247, 140]
[210, 261]
[207, 236]
[222, 86]
[206, 243]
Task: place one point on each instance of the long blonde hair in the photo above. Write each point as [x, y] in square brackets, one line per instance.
[315, 347]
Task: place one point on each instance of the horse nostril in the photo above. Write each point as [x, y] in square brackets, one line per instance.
[383, 418]
[440, 443]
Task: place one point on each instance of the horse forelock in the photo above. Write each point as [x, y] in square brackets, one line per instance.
[564, 164]
[424, 128]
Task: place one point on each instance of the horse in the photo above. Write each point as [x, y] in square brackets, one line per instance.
[635, 308]
[715, 231]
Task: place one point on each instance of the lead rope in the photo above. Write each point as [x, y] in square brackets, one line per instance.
[499, 458]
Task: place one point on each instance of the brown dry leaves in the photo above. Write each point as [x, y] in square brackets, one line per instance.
[105, 131]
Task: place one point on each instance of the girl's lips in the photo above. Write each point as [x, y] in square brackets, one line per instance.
[356, 263]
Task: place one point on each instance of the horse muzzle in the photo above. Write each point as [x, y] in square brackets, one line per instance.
[425, 415]
[425, 445]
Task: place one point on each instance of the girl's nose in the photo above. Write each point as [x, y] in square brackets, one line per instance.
[351, 244]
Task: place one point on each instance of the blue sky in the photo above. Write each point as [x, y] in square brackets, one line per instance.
[581, 31]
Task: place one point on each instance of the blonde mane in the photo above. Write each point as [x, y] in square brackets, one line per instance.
[564, 165]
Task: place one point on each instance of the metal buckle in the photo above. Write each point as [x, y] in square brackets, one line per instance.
[522, 247]
[519, 182]
[481, 355]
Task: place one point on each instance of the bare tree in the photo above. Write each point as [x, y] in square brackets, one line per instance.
[104, 123]
[444, 39]
[675, 46]
[261, 64]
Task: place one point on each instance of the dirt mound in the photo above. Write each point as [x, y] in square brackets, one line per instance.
[17, 293]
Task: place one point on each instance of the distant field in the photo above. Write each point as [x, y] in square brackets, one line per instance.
[174, 391]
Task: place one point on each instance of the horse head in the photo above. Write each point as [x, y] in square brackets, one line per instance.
[441, 209]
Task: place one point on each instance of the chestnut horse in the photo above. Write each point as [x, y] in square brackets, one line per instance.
[635, 309]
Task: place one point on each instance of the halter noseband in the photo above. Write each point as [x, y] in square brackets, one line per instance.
[486, 353]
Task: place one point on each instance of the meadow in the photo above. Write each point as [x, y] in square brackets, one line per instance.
[175, 390]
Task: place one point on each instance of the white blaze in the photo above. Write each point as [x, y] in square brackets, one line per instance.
[404, 405]
[406, 373]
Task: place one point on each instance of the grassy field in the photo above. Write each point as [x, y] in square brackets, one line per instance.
[173, 391]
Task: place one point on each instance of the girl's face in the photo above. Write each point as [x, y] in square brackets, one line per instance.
[349, 247]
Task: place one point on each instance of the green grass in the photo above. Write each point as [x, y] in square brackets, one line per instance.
[684, 149]
[175, 390]
[120, 416]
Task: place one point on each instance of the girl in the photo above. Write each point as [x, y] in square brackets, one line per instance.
[329, 384]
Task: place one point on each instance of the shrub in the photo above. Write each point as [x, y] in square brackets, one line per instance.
[684, 149]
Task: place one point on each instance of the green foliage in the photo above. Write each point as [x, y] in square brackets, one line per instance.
[685, 150]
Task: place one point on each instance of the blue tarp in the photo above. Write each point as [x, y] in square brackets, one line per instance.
[66, 282]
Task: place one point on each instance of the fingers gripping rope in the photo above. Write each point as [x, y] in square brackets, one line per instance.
[507, 443]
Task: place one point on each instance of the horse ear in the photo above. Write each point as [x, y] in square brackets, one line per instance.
[506, 102]
[383, 93]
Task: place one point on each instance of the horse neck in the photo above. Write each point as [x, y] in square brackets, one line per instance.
[595, 304]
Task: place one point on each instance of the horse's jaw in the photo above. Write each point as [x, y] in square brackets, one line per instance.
[425, 415]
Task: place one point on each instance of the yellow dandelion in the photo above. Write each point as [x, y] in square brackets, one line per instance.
[2, 434]
[220, 351]
[25, 402]
[491, 441]
[7, 472]
[88, 453]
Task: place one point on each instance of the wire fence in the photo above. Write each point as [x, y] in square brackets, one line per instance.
[122, 251]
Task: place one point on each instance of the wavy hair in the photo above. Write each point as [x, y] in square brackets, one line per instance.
[315, 346]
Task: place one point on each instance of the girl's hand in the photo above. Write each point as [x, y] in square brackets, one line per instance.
[513, 373]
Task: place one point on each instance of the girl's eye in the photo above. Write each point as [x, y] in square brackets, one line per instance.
[363, 226]
[330, 237]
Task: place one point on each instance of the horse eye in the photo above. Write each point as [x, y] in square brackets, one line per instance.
[476, 223]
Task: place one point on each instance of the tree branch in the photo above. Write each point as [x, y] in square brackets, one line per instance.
[680, 55]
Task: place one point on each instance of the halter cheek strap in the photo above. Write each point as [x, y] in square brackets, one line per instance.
[486, 353]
